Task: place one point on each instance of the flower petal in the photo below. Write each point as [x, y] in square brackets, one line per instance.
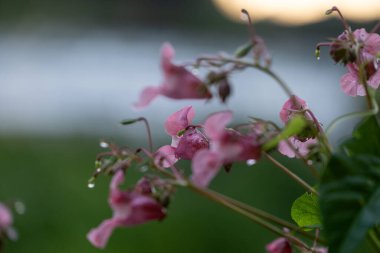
[165, 156]
[99, 236]
[205, 166]
[167, 54]
[216, 123]
[350, 83]
[179, 120]
[147, 95]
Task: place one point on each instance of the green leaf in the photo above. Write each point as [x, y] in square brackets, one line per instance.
[295, 126]
[243, 50]
[365, 138]
[305, 211]
[350, 200]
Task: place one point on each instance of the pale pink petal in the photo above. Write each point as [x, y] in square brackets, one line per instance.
[280, 245]
[285, 149]
[165, 156]
[294, 103]
[147, 95]
[205, 166]
[99, 236]
[216, 123]
[374, 80]
[351, 86]
[179, 120]
[167, 54]
[372, 44]
[190, 143]
[5, 217]
[303, 148]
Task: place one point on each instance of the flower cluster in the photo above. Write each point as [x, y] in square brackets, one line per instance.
[212, 144]
[359, 51]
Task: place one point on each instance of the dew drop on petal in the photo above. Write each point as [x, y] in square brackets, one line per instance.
[19, 207]
[251, 162]
[103, 144]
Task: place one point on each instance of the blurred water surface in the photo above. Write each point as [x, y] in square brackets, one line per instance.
[64, 80]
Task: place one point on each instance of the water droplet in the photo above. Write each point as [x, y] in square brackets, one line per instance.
[103, 144]
[243, 17]
[19, 207]
[318, 58]
[98, 170]
[91, 185]
[144, 168]
[195, 71]
[251, 162]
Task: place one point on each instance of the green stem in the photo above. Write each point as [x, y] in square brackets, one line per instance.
[374, 240]
[296, 178]
[335, 122]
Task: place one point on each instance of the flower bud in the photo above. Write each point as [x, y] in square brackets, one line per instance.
[224, 90]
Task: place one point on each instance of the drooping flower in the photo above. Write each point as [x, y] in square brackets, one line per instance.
[292, 107]
[130, 208]
[6, 221]
[356, 49]
[186, 139]
[280, 245]
[178, 83]
[226, 146]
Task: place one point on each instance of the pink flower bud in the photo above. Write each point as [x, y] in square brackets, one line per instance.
[280, 245]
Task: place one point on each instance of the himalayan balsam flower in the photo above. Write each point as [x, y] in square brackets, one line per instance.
[179, 83]
[280, 245]
[226, 147]
[130, 208]
[6, 221]
[186, 139]
[363, 51]
[290, 109]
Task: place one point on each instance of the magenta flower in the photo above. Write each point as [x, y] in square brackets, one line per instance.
[186, 139]
[6, 221]
[280, 245]
[178, 82]
[226, 147]
[291, 108]
[130, 208]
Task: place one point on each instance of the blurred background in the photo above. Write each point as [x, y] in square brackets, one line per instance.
[70, 71]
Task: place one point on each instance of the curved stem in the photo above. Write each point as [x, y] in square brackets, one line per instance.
[373, 111]
[296, 178]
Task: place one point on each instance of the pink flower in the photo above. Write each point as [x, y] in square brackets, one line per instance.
[280, 245]
[186, 139]
[290, 109]
[226, 147]
[6, 221]
[303, 148]
[178, 82]
[360, 49]
[351, 84]
[130, 208]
